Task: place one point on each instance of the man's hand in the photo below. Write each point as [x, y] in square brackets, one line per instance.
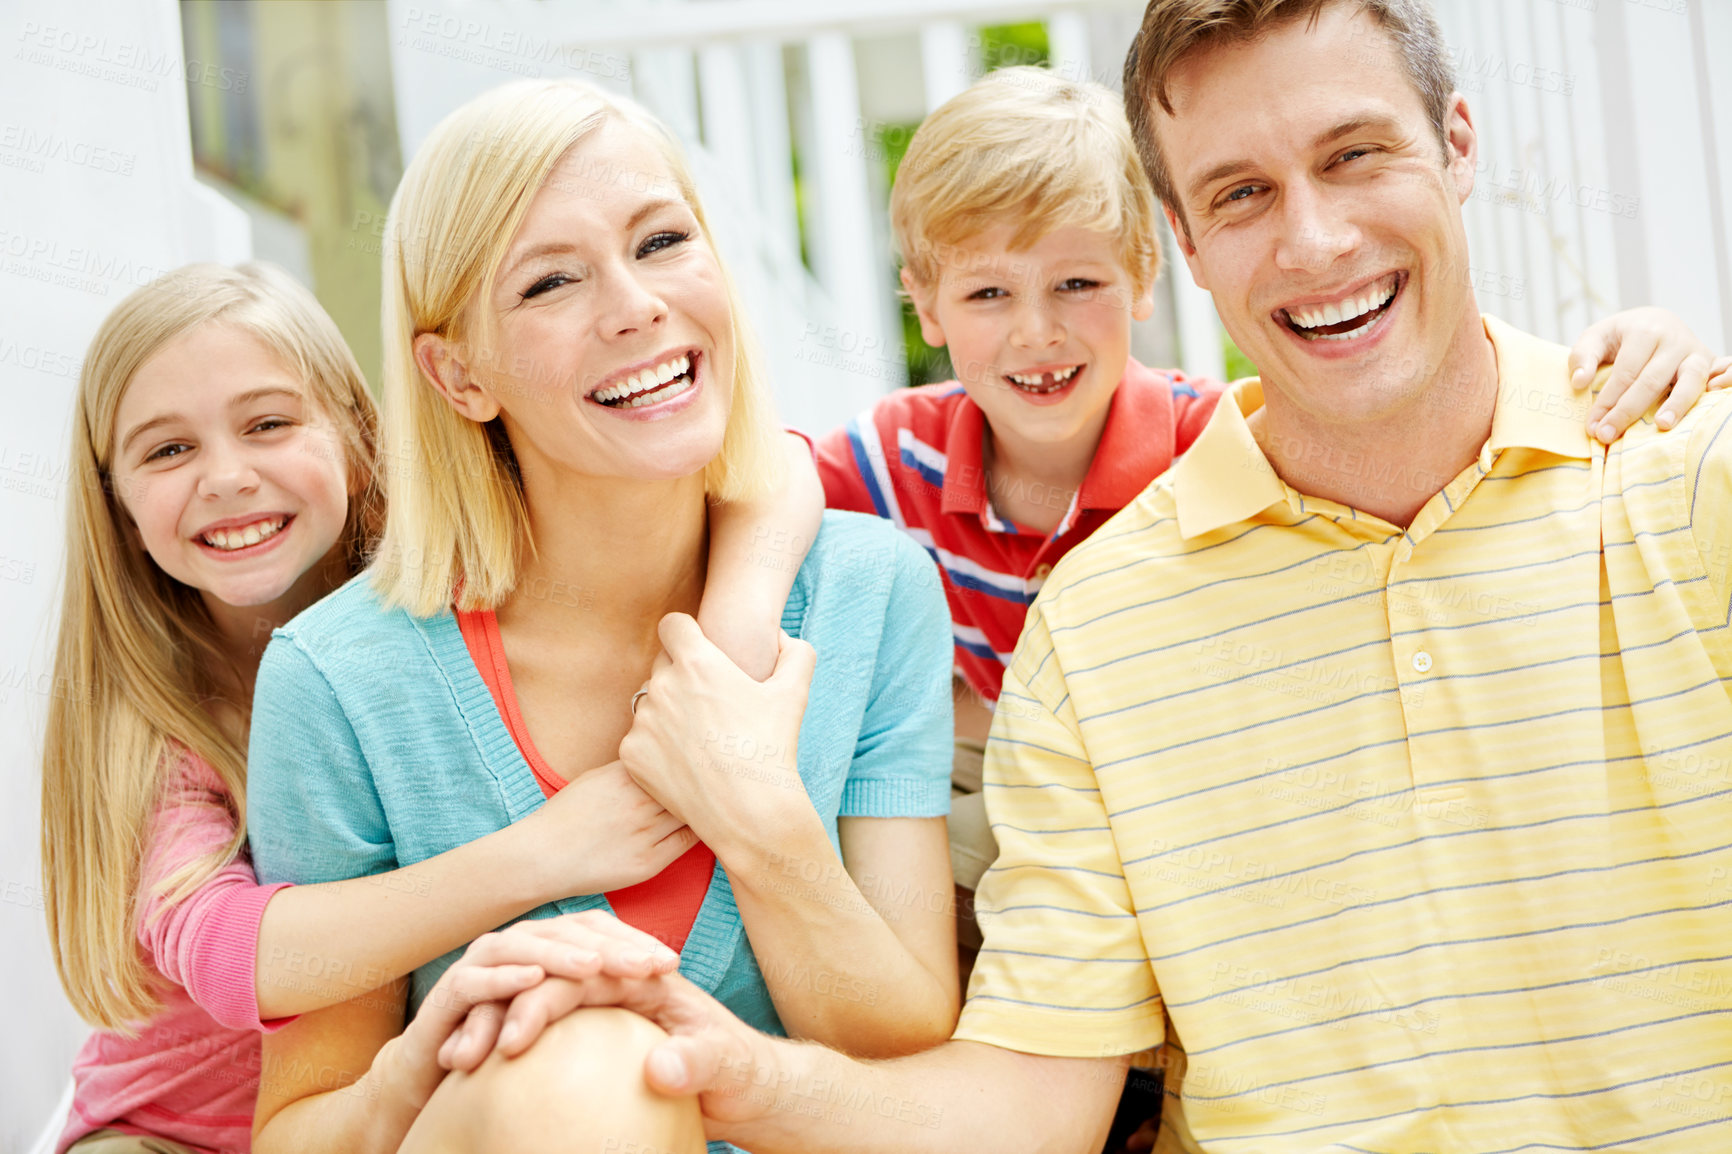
[1653, 351]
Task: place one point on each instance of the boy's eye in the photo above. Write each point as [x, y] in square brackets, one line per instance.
[1078, 284]
[660, 241]
[550, 281]
[992, 292]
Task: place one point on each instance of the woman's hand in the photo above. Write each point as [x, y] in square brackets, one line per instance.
[592, 954]
[461, 1015]
[602, 832]
[715, 747]
[1654, 351]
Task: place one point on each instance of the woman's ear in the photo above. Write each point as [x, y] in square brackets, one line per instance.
[441, 362]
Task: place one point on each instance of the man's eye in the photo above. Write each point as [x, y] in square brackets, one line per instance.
[660, 241]
[551, 281]
[1353, 154]
[1240, 193]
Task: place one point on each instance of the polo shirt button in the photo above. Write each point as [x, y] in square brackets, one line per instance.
[1042, 571]
[1422, 662]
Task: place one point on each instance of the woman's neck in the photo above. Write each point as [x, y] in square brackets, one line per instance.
[613, 554]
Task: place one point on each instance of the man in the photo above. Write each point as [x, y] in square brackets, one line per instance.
[1377, 761]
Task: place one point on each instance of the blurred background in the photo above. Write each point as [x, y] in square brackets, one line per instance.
[138, 135]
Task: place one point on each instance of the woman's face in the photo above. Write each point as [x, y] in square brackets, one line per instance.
[615, 349]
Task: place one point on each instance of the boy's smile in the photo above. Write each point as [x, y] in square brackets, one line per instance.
[1039, 336]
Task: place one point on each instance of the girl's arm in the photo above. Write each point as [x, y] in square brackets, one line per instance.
[1654, 351]
[858, 948]
[756, 547]
[323, 944]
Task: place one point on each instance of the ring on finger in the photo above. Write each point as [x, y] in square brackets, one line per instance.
[635, 697]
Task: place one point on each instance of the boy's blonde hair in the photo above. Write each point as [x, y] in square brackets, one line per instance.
[137, 660]
[1029, 148]
[455, 510]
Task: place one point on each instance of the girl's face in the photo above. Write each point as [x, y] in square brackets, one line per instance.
[616, 351]
[236, 483]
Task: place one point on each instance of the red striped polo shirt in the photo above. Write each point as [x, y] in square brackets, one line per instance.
[915, 459]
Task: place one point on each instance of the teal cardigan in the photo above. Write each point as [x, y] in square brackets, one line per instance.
[375, 743]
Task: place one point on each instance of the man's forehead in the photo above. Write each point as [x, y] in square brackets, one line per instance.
[1341, 66]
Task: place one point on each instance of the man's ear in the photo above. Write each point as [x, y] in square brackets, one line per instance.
[1186, 248]
[441, 362]
[1461, 145]
[921, 295]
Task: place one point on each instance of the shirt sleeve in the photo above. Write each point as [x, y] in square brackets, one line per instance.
[208, 941]
[1064, 970]
[313, 811]
[901, 765]
[843, 472]
[1708, 476]
[1194, 401]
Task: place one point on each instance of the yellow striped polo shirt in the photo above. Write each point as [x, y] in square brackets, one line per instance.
[1401, 841]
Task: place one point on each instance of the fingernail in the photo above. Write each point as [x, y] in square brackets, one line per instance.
[509, 1034]
[667, 1068]
[1664, 420]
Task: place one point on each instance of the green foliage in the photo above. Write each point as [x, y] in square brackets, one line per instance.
[1008, 45]
[1238, 364]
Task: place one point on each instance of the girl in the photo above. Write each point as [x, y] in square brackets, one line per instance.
[560, 332]
[225, 445]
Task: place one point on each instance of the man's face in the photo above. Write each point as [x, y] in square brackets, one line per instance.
[1323, 216]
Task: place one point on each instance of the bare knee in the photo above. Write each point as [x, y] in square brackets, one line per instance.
[578, 1090]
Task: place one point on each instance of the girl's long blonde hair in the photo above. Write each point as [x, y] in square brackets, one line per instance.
[456, 517]
[137, 653]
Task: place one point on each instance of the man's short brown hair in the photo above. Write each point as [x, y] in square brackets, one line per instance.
[1174, 29]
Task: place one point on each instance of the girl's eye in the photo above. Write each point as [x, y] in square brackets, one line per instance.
[270, 424]
[550, 281]
[164, 452]
[660, 241]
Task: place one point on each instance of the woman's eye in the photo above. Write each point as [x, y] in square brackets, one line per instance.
[660, 241]
[551, 281]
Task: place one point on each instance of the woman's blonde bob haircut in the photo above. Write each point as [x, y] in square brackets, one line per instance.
[138, 661]
[1028, 148]
[456, 528]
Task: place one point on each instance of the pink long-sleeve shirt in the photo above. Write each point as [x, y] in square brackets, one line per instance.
[192, 1074]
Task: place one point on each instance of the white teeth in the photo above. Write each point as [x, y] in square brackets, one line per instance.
[646, 380]
[240, 538]
[1333, 314]
[1035, 380]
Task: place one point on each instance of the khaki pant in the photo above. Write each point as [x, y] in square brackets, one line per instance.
[114, 1142]
[972, 846]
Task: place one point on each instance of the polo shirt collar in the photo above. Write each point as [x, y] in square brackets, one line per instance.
[1132, 450]
[1225, 478]
[1536, 407]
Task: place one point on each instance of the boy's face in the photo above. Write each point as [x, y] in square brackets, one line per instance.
[1038, 336]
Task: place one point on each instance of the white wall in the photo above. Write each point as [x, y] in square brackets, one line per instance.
[1606, 158]
[98, 197]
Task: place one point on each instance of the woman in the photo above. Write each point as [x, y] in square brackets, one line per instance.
[567, 388]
